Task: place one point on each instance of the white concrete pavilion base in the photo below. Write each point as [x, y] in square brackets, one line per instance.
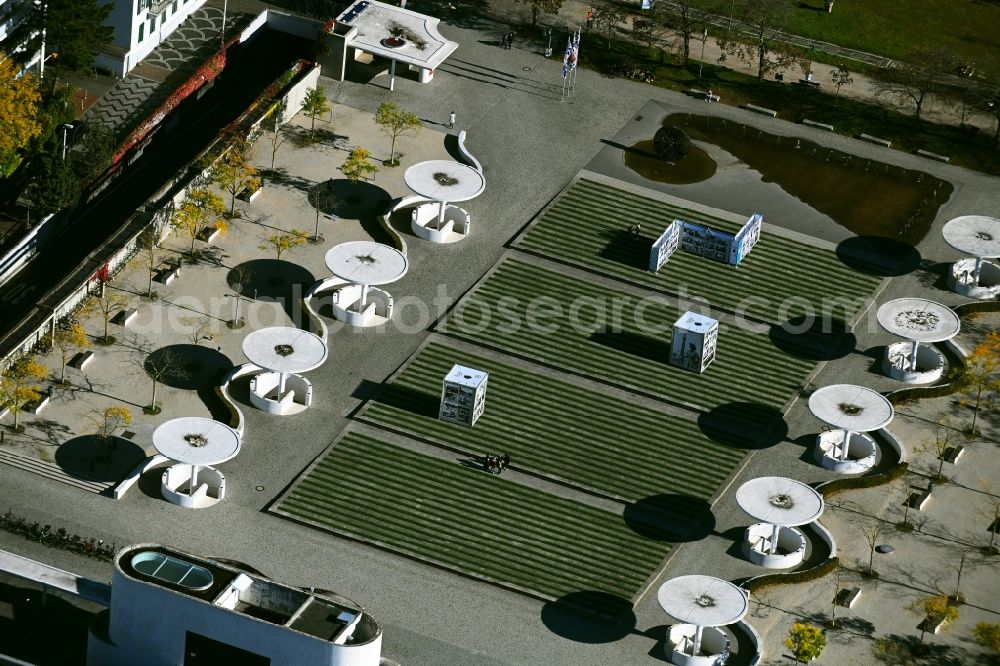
[961, 280]
[377, 310]
[860, 452]
[264, 393]
[896, 364]
[757, 542]
[456, 225]
[176, 482]
[680, 642]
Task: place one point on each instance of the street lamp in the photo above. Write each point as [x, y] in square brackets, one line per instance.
[704, 38]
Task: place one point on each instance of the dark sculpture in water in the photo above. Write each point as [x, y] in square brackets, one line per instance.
[671, 144]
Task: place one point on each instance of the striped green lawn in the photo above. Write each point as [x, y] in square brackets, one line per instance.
[559, 430]
[588, 226]
[748, 367]
[471, 521]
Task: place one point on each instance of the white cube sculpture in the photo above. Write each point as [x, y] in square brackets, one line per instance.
[693, 343]
[463, 395]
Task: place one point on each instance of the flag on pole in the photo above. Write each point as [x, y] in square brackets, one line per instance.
[575, 56]
[567, 56]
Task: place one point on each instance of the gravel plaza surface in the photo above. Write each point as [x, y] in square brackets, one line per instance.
[532, 147]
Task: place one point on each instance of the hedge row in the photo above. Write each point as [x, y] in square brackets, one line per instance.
[860, 482]
[759, 583]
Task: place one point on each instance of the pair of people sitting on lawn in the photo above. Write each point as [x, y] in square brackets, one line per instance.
[496, 464]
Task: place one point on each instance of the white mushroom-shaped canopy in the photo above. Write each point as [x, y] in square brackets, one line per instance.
[284, 349]
[851, 407]
[444, 180]
[777, 500]
[918, 319]
[978, 235]
[366, 262]
[704, 601]
[195, 440]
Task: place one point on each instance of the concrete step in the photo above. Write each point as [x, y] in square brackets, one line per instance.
[52, 471]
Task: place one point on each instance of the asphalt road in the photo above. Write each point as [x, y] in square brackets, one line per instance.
[251, 67]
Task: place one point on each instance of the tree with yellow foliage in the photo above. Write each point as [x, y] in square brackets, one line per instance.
[68, 339]
[982, 372]
[109, 421]
[19, 384]
[201, 209]
[235, 171]
[19, 99]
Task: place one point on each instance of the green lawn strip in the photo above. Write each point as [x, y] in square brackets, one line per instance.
[748, 366]
[587, 227]
[559, 430]
[475, 522]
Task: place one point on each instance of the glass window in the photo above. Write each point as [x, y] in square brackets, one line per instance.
[172, 570]
[138, 7]
[142, 31]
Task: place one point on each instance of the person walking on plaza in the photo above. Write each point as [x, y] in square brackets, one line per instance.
[451, 120]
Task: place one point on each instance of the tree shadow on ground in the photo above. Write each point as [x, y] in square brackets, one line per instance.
[186, 366]
[877, 255]
[274, 281]
[282, 178]
[303, 137]
[670, 517]
[589, 616]
[813, 338]
[634, 344]
[744, 425]
[625, 248]
[85, 457]
[343, 198]
[49, 431]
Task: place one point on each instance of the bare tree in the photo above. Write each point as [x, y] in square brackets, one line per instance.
[277, 138]
[872, 531]
[762, 45]
[197, 328]
[108, 304]
[150, 253]
[239, 277]
[685, 17]
[161, 364]
[607, 19]
[841, 77]
[938, 445]
[917, 78]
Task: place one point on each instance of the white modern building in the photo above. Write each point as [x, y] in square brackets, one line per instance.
[140, 26]
[170, 608]
[12, 14]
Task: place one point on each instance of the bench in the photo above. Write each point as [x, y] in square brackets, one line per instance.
[917, 500]
[167, 275]
[81, 359]
[760, 109]
[208, 234]
[874, 139]
[847, 596]
[934, 156]
[249, 194]
[36, 406]
[809, 82]
[818, 125]
[702, 94]
[124, 317]
[952, 454]
[930, 625]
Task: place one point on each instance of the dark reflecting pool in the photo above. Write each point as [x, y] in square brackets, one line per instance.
[694, 167]
[867, 197]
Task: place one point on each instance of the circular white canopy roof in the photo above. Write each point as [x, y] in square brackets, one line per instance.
[851, 407]
[366, 262]
[978, 235]
[780, 501]
[918, 319]
[444, 180]
[195, 440]
[703, 601]
[284, 349]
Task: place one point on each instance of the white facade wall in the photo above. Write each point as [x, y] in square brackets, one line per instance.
[132, 19]
[149, 625]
